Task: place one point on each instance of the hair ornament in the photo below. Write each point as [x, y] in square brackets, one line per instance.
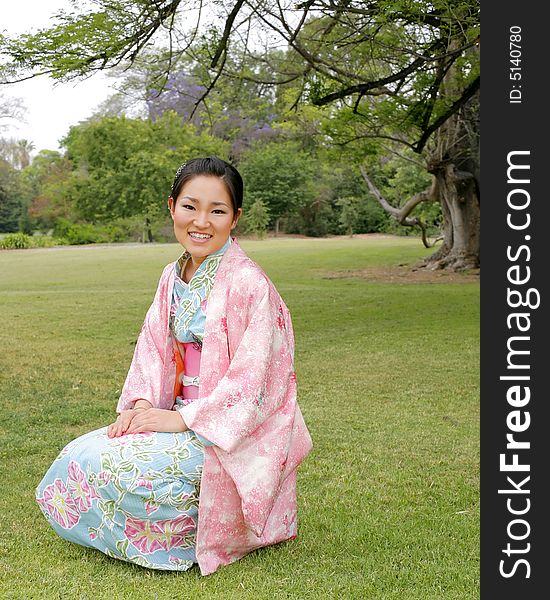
[178, 173]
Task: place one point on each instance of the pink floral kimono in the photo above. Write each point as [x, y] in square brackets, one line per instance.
[246, 408]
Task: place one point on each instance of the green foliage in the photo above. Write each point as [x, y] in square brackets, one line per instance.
[10, 210]
[399, 179]
[128, 229]
[113, 180]
[256, 219]
[349, 213]
[45, 190]
[361, 215]
[317, 219]
[381, 46]
[47, 241]
[124, 167]
[384, 78]
[79, 233]
[22, 241]
[25, 224]
[11, 206]
[278, 174]
[372, 217]
[79, 42]
[15, 241]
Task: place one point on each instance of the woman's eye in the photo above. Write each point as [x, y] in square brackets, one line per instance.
[218, 211]
[188, 206]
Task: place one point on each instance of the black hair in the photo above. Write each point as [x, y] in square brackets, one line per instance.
[214, 167]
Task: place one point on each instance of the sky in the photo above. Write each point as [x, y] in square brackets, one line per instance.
[51, 110]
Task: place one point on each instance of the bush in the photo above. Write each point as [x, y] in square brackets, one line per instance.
[21, 241]
[16, 241]
[361, 215]
[129, 229]
[114, 233]
[79, 233]
[314, 219]
[46, 241]
[372, 217]
[255, 220]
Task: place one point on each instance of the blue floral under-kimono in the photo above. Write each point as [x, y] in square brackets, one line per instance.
[136, 497]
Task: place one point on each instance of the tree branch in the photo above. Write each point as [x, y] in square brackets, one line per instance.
[430, 18]
[364, 88]
[401, 215]
[455, 107]
[222, 46]
[128, 47]
[211, 85]
[373, 136]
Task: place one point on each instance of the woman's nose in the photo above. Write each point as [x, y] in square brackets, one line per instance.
[201, 220]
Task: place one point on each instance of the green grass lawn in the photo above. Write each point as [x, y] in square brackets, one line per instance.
[388, 381]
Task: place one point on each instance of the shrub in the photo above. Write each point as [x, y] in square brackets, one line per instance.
[361, 215]
[46, 241]
[79, 233]
[21, 241]
[256, 219]
[16, 241]
[129, 229]
[314, 219]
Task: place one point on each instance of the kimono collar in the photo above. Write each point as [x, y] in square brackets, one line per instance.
[188, 319]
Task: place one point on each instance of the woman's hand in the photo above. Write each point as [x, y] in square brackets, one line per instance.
[120, 426]
[156, 419]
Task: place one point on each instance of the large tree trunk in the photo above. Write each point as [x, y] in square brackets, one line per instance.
[454, 162]
[458, 194]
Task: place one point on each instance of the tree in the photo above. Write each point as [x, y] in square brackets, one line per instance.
[16, 152]
[407, 74]
[11, 109]
[256, 219]
[278, 174]
[45, 190]
[403, 71]
[10, 198]
[238, 110]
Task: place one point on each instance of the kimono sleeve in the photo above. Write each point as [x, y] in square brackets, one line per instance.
[145, 375]
[255, 383]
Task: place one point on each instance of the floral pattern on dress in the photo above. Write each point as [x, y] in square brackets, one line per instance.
[149, 536]
[81, 491]
[58, 503]
[134, 497]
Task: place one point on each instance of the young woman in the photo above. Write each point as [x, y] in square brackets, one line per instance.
[200, 464]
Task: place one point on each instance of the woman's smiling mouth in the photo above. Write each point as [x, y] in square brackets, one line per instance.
[199, 236]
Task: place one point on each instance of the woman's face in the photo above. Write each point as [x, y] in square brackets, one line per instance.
[203, 216]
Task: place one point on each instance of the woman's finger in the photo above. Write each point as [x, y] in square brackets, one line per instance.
[132, 427]
[112, 429]
[139, 425]
[140, 429]
[120, 426]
